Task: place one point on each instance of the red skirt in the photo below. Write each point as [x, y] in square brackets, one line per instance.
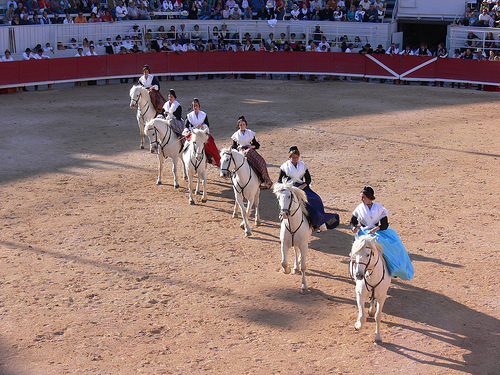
[210, 149]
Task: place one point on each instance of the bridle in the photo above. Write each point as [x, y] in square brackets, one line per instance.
[287, 211]
[367, 273]
[136, 104]
[197, 163]
[233, 173]
[161, 145]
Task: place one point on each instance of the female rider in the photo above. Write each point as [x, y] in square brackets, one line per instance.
[197, 119]
[245, 142]
[296, 171]
[173, 112]
[151, 83]
[372, 218]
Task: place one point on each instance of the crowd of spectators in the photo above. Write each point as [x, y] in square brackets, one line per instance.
[487, 15]
[24, 12]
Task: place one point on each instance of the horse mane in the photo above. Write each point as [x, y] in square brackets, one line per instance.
[225, 149]
[301, 195]
[198, 133]
[365, 241]
[132, 89]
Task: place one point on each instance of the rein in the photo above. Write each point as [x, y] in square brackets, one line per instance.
[164, 145]
[234, 174]
[136, 104]
[197, 165]
[289, 227]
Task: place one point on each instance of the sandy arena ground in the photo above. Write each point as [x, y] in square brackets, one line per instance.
[104, 272]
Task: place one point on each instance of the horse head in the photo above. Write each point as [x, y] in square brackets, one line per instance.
[286, 194]
[226, 157]
[363, 253]
[198, 139]
[155, 129]
[135, 95]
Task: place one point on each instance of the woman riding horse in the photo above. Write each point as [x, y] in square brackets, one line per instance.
[151, 83]
[245, 142]
[296, 171]
[197, 119]
[372, 218]
[173, 112]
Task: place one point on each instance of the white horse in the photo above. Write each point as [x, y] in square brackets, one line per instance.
[164, 142]
[295, 229]
[140, 99]
[245, 185]
[368, 269]
[194, 160]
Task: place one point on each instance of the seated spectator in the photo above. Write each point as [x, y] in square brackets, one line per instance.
[316, 13]
[80, 18]
[19, 9]
[224, 32]
[91, 51]
[248, 46]
[166, 46]
[407, 51]
[182, 34]
[35, 20]
[262, 14]
[127, 42]
[68, 20]
[304, 12]
[226, 13]
[423, 50]
[457, 54]
[9, 14]
[247, 14]
[479, 55]
[143, 12]
[327, 13]
[467, 16]
[28, 55]
[262, 47]
[366, 50]
[300, 47]
[295, 13]
[473, 19]
[360, 14]
[177, 4]
[231, 4]
[80, 52]
[393, 50]
[218, 11]
[193, 12]
[214, 35]
[199, 45]
[472, 40]
[172, 34]
[441, 51]
[93, 18]
[121, 11]
[205, 11]
[177, 47]
[65, 6]
[48, 48]
[324, 43]
[57, 20]
[337, 14]
[167, 6]
[135, 33]
[485, 19]
[211, 46]
[372, 14]
[107, 17]
[365, 4]
[7, 56]
[311, 47]
[351, 14]
[380, 50]
[468, 55]
[379, 6]
[155, 5]
[148, 48]
[132, 11]
[188, 47]
[60, 46]
[25, 20]
[73, 44]
[39, 55]
[55, 7]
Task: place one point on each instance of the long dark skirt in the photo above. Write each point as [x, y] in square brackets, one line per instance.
[258, 163]
[158, 100]
[316, 210]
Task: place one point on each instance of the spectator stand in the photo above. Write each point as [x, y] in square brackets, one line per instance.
[457, 38]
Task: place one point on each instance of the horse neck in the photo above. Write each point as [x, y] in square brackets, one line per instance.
[295, 209]
[145, 100]
[378, 265]
[239, 160]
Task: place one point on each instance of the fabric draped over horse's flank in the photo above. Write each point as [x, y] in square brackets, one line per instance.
[395, 255]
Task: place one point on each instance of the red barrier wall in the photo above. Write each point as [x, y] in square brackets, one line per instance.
[20, 73]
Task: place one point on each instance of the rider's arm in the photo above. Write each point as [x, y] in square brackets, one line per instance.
[206, 121]
[353, 223]
[235, 145]
[384, 223]
[155, 84]
[255, 143]
[178, 113]
[307, 177]
[281, 176]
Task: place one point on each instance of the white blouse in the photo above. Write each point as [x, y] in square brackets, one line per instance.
[148, 82]
[369, 218]
[196, 121]
[170, 108]
[296, 173]
[243, 139]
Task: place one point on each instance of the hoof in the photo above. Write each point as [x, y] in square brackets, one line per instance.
[142, 147]
[296, 271]
[304, 290]
[357, 325]
[204, 200]
[176, 186]
[257, 223]
[158, 182]
[248, 234]
[242, 225]
[191, 202]
[378, 340]
[197, 192]
[234, 216]
[286, 270]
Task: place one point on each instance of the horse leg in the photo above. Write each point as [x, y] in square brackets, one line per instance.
[372, 308]
[141, 127]
[174, 171]
[360, 299]
[190, 187]
[160, 168]
[296, 265]
[378, 318]
[303, 267]
[244, 224]
[284, 251]
[235, 210]
[204, 184]
[256, 205]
